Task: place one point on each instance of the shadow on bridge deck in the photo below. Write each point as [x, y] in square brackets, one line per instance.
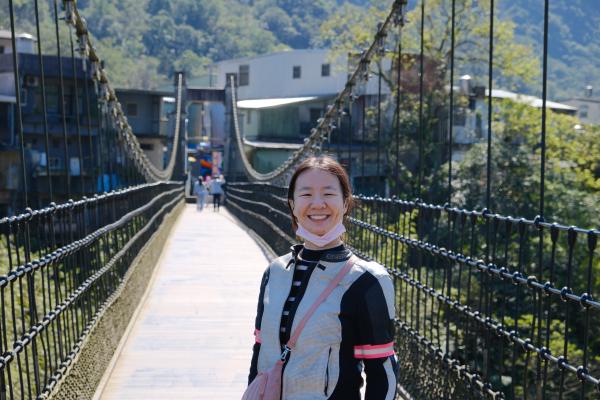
[192, 336]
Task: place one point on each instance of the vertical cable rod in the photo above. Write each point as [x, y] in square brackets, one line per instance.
[421, 119]
[75, 98]
[398, 98]
[488, 190]
[451, 107]
[349, 113]
[17, 82]
[44, 100]
[379, 78]
[539, 390]
[61, 102]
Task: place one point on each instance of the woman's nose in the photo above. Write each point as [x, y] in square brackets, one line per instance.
[318, 201]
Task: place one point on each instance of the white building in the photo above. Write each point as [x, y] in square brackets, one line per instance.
[25, 42]
[470, 123]
[285, 74]
[588, 107]
[282, 95]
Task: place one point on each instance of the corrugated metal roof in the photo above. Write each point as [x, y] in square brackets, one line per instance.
[7, 99]
[531, 100]
[268, 103]
[272, 145]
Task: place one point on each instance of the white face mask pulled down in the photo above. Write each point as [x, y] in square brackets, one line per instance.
[321, 241]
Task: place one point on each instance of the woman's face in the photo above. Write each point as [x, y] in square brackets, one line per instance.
[318, 201]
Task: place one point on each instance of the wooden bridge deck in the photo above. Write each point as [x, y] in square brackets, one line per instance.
[192, 336]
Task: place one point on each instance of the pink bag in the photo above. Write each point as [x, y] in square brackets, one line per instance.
[267, 385]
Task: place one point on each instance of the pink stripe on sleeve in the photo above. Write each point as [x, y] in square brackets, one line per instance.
[378, 355]
[257, 336]
[368, 351]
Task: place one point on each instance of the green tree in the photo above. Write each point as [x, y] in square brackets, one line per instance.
[572, 167]
[352, 29]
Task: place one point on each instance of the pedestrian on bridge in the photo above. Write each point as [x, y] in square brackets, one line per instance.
[200, 192]
[216, 189]
[320, 342]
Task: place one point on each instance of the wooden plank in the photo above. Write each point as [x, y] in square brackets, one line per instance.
[192, 338]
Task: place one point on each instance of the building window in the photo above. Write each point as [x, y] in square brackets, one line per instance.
[325, 69]
[460, 117]
[297, 72]
[52, 99]
[583, 111]
[55, 163]
[23, 98]
[132, 110]
[315, 114]
[244, 75]
[248, 117]
[1, 49]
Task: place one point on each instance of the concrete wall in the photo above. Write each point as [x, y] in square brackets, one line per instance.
[146, 122]
[588, 109]
[271, 75]
[153, 147]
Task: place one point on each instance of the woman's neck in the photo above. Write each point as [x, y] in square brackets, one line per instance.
[311, 246]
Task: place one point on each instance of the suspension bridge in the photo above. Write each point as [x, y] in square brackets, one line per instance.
[114, 288]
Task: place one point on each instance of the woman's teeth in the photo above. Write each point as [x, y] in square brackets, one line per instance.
[318, 217]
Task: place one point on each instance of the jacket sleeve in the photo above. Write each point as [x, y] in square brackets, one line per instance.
[375, 339]
[257, 323]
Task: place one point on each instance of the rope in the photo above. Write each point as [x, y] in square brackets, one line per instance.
[319, 134]
[107, 94]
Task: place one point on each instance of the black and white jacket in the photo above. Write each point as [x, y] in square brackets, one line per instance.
[351, 330]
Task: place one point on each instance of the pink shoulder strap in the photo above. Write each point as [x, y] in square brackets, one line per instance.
[332, 285]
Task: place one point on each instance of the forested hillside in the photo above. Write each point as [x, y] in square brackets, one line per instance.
[143, 41]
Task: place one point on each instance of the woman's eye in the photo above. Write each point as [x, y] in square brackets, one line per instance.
[305, 195]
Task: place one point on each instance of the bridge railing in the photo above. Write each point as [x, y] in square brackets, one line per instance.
[488, 306]
[59, 268]
[62, 265]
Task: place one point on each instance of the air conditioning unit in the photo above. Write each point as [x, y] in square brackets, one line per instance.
[32, 81]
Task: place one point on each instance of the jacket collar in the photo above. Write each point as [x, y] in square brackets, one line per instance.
[328, 257]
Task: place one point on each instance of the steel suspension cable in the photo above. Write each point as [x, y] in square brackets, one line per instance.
[62, 105]
[17, 83]
[145, 167]
[488, 203]
[363, 130]
[398, 107]
[539, 303]
[75, 98]
[451, 106]
[488, 188]
[92, 151]
[421, 119]
[349, 114]
[314, 142]
[44, 100]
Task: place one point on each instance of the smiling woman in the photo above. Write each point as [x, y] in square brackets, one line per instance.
[324, 316]
[319, 197]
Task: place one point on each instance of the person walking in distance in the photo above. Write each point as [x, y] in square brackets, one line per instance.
[200, 192]
[324, 315]
[216, 189]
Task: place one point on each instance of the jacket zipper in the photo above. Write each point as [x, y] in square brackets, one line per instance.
[327, 373]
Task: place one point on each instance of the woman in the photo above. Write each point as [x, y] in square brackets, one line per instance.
[352, 330]
[200, 192]
[216, 189]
